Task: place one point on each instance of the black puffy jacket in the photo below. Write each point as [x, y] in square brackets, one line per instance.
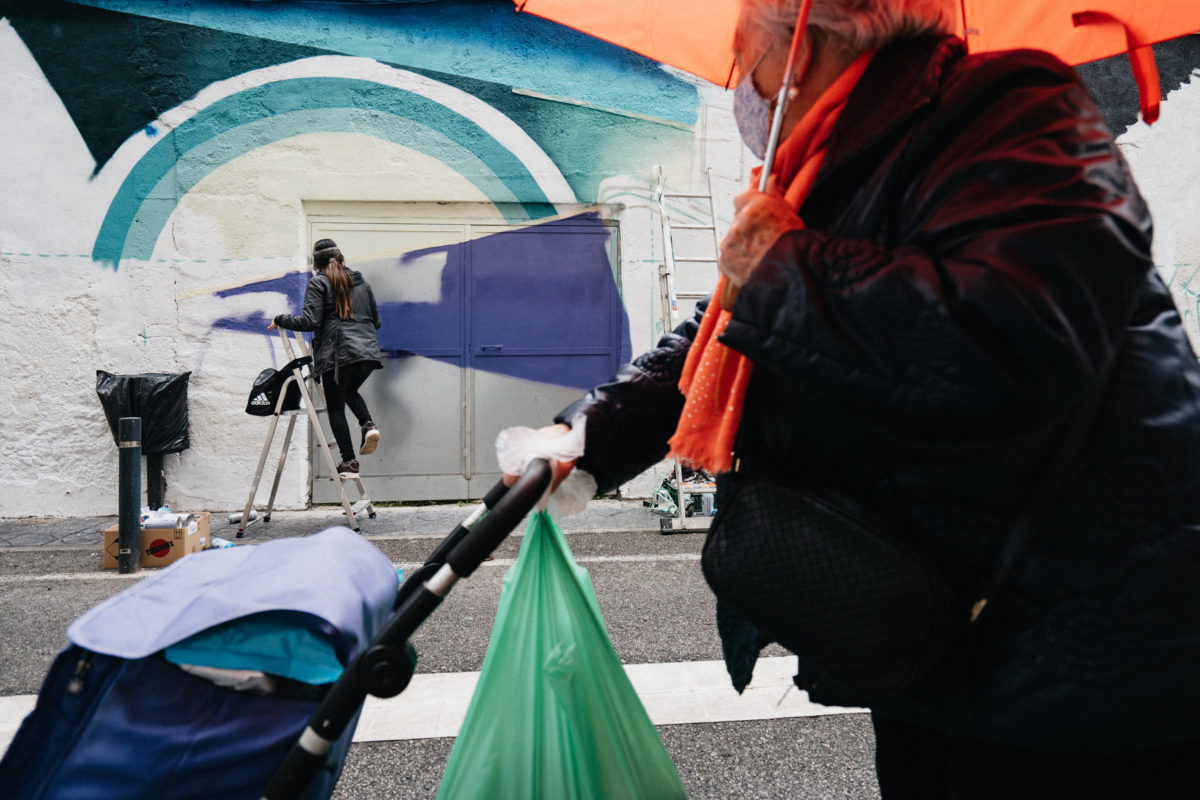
[337, 341]
[976, 254]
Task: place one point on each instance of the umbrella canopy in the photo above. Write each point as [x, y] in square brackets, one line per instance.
[1076, 31]
[693, 35]
[697, 35]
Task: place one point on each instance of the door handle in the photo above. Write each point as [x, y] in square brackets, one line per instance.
[491, 347]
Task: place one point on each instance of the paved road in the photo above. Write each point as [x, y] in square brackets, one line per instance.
[658, 610]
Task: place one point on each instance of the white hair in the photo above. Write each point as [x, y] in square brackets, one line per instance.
[856, 25]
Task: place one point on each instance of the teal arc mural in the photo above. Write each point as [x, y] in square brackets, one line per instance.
[281, 109]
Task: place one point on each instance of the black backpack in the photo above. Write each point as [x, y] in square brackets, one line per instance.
[265, 392]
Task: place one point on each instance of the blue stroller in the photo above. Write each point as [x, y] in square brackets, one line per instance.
[240, 672]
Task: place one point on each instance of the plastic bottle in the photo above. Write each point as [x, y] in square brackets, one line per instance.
[217, 543]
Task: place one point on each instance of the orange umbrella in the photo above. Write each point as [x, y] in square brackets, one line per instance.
[697, 35]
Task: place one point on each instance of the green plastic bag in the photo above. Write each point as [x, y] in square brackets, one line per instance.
[553, 714]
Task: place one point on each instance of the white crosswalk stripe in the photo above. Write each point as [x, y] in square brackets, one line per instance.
[673, 693]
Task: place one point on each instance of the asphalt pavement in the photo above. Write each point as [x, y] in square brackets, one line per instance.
[651, 592]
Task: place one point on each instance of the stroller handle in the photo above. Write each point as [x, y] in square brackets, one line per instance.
[465, 550]
[504, 515]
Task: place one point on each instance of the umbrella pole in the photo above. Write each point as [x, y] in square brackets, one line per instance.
[782, 99]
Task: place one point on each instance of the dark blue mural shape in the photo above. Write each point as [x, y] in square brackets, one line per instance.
[537, 303]
[248, 323]
[291, 285]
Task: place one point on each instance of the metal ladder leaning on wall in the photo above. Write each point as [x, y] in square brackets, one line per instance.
[669, 298]
[301, 377]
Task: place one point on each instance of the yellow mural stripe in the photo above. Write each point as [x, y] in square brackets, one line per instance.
[188, 295]
[574, 212]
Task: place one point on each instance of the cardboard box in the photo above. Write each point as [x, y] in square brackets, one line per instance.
[162, 546]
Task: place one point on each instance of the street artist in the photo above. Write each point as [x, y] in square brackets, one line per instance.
[340, 309]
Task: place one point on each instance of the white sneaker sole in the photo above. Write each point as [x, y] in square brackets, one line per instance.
[370, 442]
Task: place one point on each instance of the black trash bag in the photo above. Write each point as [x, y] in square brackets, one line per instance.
[265, 392]
[159, 398]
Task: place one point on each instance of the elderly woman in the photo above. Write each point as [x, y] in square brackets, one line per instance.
[951, 260]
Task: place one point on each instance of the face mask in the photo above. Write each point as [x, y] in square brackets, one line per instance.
[752, 112]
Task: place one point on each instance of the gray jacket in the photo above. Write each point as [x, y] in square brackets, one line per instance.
[337, 341]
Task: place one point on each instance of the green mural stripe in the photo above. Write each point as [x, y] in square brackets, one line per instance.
[282, 109]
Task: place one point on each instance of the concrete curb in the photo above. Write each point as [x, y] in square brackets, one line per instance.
[392, 522]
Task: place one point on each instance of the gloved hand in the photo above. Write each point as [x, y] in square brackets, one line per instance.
[559, 444]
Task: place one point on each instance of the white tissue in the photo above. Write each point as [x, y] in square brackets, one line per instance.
[572, 495]
[516, 447]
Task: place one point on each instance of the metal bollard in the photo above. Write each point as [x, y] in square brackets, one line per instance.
[129, 496]
[154, 480]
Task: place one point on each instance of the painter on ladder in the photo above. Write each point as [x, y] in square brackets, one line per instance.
[340, 309]
[941, 336]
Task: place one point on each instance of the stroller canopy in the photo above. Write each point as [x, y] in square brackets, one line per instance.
[336, 577]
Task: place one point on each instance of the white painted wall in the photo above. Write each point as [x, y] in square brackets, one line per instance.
[1165, 159]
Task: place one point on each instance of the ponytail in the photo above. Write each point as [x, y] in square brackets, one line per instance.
[328, 258]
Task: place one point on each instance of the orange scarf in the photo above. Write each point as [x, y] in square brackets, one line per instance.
[714, 377]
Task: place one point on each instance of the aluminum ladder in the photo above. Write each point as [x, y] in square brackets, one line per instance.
[302, 378]
[675, 213]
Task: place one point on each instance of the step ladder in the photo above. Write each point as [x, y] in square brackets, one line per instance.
[301, 376]
[677, 212]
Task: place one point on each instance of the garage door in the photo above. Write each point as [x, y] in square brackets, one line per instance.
[485, 325]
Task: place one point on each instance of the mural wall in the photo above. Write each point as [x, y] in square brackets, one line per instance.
[167, 167]
[173, 161]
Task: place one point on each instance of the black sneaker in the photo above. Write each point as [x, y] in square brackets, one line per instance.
[348, 468]
[370, 439]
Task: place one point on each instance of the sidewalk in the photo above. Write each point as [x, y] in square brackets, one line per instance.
[601, 516]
